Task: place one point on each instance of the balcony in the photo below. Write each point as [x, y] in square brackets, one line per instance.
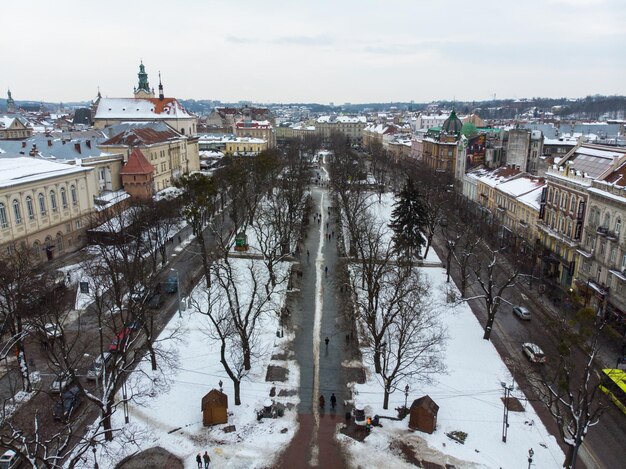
[602, 230]
[523, 223]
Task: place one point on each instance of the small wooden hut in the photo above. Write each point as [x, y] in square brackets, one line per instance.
[214, 408]
[423, 415]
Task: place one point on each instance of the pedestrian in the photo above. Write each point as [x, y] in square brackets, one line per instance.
[326, 225]
[319, 221]
[179, 239]
[322, 402]
[326, 270]
[207, 460]
[327, 340]
[333, 401]
[199, 461]
[307, 254]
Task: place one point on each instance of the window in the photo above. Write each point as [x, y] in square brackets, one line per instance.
[607, 220]
[63, 198]
[612, 255]
[73, 194]
[572, 205]
[555, 200]
[618, 227]
[4, 221]
[29, 208]
[17, 212]
[59, 242]
[42, 203]
[53, 201]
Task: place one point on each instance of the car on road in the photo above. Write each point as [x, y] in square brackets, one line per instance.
[533, 352]
[139, 294]
[171, 285]
[10, 460]
[521, 312]
[71, 400]
[52, 331]
[118, 343]
[61, 382]
[97, 367]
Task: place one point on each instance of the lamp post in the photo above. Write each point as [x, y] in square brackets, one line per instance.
[180, 315]
[221, 384]
[505, 417]
[406, 395]
[450, 249]
[531, 453]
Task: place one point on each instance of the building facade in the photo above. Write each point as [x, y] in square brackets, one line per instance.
[45, 205]
[14, 128]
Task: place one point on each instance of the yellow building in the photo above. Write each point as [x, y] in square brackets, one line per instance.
[170, 153]
[257, 130]
[13, 128]
[45, 205]
[245, 146]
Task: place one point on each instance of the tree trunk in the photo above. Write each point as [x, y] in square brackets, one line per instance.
[377, 366]
[106, 422]
[237, 385]
[21, 359]
[386, 399]
[489, 325]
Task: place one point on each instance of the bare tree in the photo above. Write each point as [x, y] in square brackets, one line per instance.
[569, 389]
[414, 340]
[487, 276]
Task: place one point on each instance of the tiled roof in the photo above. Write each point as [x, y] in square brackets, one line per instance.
[137, 164]
[143, 134]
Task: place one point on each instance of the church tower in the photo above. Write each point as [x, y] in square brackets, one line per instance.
[10, 103]
[143, 88]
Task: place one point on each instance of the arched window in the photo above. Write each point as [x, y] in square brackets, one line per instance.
[29, 208]
[572, 204]
[607, 221]
[42, 203]
[555, 200]
[549, 194]
[63, 198]
[73, 195]
[618, 227]
[564, 200]
[4, 221]
[53, 201]
[17, 212]
[59, 242]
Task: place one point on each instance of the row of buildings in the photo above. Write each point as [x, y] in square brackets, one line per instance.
[569, 221]
[52, 184]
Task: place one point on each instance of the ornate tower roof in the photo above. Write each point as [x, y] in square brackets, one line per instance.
[143, 87]
[10, 102]
[452, 125]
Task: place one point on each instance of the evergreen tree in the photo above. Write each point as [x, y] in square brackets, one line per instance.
[408, 220]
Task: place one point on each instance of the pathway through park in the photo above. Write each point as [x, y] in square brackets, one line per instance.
[315, 318]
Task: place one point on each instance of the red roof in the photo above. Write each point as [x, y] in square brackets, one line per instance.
[144, 135]
[137, 164]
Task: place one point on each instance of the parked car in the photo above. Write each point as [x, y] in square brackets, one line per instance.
[139, 294]
[171, 285]
[137, 324]
[156, 301]
[10, 460]
[61, 382]
[98, 366]
[71, 400]
[533, 352]
[521, 312]
[119, 341]
[52, 331]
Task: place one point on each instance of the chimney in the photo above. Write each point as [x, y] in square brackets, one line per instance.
[88, 143]
[49, 143]
[77, 147]
[23, 143]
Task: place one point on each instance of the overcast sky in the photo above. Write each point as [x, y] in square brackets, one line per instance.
[315, 51]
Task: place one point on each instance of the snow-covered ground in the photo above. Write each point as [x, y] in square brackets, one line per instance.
[469, 396]
[173, 419]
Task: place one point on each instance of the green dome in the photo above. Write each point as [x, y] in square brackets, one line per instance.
[452, 124]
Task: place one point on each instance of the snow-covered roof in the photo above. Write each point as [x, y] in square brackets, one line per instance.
[498, 176]
[342, 119]
[141, 108]
[520, 186]
[532, 198]
[57, 146]
[23, 170]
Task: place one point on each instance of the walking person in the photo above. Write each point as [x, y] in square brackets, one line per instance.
[207, 460]
[333, 401]
[322, 401]
[326, 270]
[199, 461]
[326, 340]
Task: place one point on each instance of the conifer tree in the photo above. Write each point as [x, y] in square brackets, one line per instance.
[408, 220]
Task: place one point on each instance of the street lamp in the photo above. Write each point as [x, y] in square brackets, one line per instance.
[406, 395]
[180, 315]
[450, 249]
[221, 384]
[531, 453]
[505, 417]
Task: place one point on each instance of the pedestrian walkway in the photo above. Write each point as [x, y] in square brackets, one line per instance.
[315, 318]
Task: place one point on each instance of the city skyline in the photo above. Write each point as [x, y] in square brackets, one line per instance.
[350, 51]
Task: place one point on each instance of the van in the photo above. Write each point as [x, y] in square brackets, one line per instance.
[171, 285]
[98, 366]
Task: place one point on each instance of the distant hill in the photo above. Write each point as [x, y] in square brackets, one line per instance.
[590, 107]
